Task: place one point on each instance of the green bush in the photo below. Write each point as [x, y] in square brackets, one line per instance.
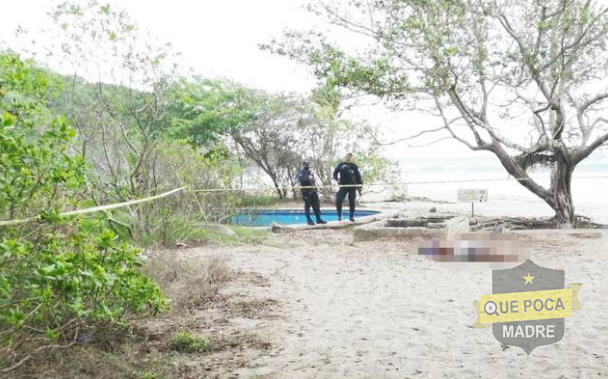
[59, 275]
[249, 201]
[185, 342]
[148, 375]
[181, 217]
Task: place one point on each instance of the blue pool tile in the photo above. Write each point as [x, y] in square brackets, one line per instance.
[288, 217]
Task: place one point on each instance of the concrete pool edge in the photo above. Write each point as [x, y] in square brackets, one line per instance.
[454, 224]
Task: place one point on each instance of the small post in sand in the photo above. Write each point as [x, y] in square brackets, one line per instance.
[473, 196]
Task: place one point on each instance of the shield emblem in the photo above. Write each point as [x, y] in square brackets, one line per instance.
[523, 278]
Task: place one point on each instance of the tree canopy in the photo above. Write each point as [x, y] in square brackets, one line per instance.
[525, 80]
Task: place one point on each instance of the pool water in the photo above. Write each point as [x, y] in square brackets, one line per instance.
[288, 217]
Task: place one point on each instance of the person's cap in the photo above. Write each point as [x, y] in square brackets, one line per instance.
[305, 164]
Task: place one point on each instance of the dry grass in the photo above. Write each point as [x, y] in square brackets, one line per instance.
[182, 343]
[128, 361]
[252, 309]
[250, 340]
[189, 343]
[187, 282]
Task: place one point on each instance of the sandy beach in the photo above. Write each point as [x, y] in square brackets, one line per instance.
[375, 310]
[159, 161]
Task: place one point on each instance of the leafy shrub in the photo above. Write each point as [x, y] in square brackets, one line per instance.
[58, 275]
[179, 218]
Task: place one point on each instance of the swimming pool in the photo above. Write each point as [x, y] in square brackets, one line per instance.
[288, 217]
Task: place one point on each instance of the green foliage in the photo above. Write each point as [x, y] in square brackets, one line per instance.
[182, 218]
[376, 76]
[375, 168]
[249, 235]
[34, 143]
[184, 230]
[132, 156]
[184, 165]
[134, 133]
[331, 136]
[500, 76]
[148, 375]
[204, 109]
[57, 274]
[274, 138]
[253, 201]
[59, 279]
[186, 342]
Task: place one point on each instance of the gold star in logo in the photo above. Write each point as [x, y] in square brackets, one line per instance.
[528, 279]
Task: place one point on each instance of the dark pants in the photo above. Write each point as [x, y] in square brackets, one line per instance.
[312, 199]
[341, 195]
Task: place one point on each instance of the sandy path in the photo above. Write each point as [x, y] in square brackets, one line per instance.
[372, 310]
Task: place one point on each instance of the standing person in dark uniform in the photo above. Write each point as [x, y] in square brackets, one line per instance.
[347, 173]
[310, 194]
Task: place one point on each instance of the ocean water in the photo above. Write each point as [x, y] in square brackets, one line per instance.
[589, 185]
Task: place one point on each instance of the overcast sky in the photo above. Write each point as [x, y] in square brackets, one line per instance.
[221, 37]
[216, 38]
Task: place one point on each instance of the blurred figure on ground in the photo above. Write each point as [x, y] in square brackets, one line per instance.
[310, 194]
[348, 177]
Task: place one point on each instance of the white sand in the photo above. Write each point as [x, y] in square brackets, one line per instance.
[372, 310]
[510, 198]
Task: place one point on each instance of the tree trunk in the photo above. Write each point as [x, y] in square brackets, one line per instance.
[294, 191]
[561, 194]
[280, 191]
[277, 187]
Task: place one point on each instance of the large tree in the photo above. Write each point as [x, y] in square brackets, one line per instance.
[329, 135]
[274, 136]
[126, 99]
[523, 79]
